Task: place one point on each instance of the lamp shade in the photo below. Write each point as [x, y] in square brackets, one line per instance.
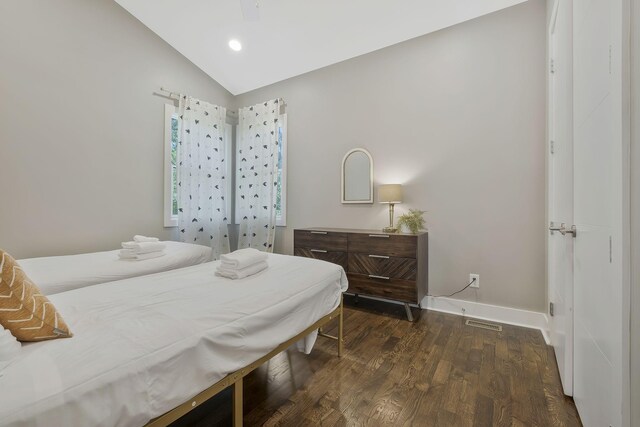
[390, 193]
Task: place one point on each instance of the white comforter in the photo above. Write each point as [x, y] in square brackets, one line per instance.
[63, 273]
[143, 346]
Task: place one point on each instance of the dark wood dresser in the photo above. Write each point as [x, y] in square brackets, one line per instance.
[384, 265]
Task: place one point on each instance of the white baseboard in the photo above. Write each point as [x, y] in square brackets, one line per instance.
[495, 313]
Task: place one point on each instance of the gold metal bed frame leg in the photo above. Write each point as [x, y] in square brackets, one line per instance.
[237, 403]
[339, 337]
[340, 329]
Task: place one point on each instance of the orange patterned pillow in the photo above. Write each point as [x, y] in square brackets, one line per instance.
[24, 311]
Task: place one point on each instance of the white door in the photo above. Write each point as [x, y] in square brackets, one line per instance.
[597, 212]
[560, 155]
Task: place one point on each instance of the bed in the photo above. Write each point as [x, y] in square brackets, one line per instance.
[64, 273]
[148, 349]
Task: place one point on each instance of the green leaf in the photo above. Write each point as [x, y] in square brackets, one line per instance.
[413, 220]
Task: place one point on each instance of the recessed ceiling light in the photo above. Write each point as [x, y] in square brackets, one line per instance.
[235, 45]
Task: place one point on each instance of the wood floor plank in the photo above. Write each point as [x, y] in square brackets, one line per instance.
[436, 371]
[484, 411]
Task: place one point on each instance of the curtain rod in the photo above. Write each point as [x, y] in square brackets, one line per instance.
[176, 95]
[171, 93]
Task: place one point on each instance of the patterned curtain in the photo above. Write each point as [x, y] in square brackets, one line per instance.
[257, 175]
[202, 216]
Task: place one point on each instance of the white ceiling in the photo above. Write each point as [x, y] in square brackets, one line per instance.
[294, 36]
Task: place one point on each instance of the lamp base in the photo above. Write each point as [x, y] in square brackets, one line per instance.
[390, 230]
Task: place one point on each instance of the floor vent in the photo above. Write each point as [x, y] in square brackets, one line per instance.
[483, 325]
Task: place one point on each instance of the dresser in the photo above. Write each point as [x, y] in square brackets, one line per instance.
[383, 265]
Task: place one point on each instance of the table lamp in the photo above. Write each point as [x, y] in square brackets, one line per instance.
[391, 194]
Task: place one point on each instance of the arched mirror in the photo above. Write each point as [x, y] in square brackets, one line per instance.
[357, 177]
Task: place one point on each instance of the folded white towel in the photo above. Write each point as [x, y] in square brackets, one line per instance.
[243, 272]
[144, 247]
[138, 238]
[9, 348]
[127, 254]
[242, 258]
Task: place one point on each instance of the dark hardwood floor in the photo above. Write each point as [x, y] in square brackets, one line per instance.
[434, 372]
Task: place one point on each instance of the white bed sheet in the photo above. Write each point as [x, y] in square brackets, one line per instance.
[142, 346]
[58, 274]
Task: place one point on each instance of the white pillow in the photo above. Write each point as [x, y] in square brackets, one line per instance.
[9, 348]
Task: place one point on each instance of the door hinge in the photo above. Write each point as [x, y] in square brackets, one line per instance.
[551, 309]
[552, 146]
[552, 66]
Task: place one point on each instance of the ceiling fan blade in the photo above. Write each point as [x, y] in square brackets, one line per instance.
[250, 10]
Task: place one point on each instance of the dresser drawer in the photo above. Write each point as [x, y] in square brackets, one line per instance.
[394, 245]
[396, 289]
[339, 258]
[322, 240]
[381, 265]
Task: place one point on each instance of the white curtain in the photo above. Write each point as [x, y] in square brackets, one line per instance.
[202, 216]
[257, 174]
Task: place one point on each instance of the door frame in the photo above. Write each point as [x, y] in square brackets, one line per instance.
[635, 215]
[630, 196]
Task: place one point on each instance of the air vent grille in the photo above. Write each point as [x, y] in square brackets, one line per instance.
[483, 325]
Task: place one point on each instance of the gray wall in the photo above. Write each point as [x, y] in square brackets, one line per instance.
[81, 132]
[458, 117]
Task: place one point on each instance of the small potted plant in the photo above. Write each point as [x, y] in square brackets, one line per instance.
[412, 221]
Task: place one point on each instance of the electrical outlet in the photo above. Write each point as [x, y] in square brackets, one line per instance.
[475, 284]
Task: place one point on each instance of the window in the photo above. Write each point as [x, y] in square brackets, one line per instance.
[170, 171]
[171, 137]
[281, 192]
[174, 172]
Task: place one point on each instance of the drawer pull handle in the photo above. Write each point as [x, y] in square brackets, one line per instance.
[379, 256]
[320, 251]
[373, 276]
[384, 236]
[318, 232]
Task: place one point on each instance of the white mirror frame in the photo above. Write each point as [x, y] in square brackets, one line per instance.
[342, 181]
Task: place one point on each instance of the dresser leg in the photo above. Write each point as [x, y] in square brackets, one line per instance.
[355, 298]
[408, 310]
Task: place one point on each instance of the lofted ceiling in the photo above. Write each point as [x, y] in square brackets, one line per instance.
[292, 37]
